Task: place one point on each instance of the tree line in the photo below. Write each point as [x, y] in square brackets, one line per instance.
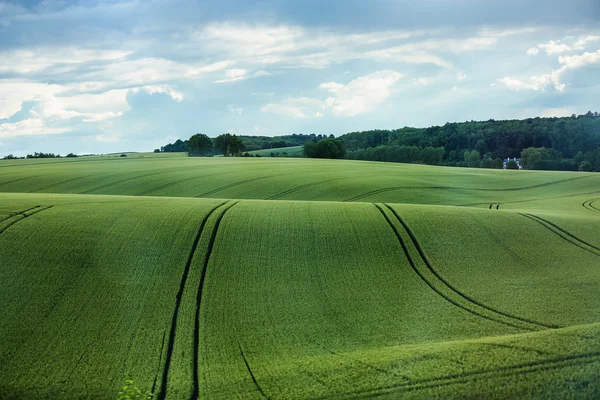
[248, 143]
[569, 143]
[38, 155]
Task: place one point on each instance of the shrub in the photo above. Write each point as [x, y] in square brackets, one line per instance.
[132, 392]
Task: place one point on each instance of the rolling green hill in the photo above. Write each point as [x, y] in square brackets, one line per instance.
[296, 278]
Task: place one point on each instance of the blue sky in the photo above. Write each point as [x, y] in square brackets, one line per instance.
[108, 76]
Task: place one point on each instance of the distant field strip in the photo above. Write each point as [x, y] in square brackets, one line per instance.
[13, 219]
[163, 389]
[530, 200]
[459, 188]
[564, 234]
[430, 276]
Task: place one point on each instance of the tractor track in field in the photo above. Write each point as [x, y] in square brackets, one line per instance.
[256, 384]
[173, 183]
[57, 183]
[465, 377]
[23, 179]
[453, 188]
[495, 205]
[171, 343]
[564, 234]
[234, 184]
[530, 200]
[451, 287]
[113, 183]
[589, 205]
[438, 284]
[12, 214]
[297, 188]
[162, 349]
[196, 341]
[24, 214]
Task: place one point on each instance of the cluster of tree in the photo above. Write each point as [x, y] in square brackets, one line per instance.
[201, 145]
[495, 140]
[178, 147]
[588, 161]
[325, 148]
[228, 144]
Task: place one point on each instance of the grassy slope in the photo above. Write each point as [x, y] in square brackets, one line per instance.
[290, 179]
[325, 304]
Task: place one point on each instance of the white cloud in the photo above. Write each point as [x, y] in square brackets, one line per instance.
[299, 107]
[165, 89]
[28, 127]
[236, 110]
[421, 81]
[233, 75]
[357, 97]
[331, 86]
[555, 112]
[461, 76]
[553, 47]
[363, 94]
[108, 137]
[584, 40]
[555, 78]
[533, 51]
[28, 61]
[533, 83]
[238, 74]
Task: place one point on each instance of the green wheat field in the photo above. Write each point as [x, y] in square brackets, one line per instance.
[290, 278]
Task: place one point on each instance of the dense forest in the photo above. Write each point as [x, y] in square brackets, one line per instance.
[569, 143]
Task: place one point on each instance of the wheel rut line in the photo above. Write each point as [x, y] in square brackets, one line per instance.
[565, 231]
[118, 182]
[162, 348]
[433, 287]
[36, 190]
[297, 188]
[589, 205]
[166, 185]
[30, 212]
[196, 338]
[511, 370]
[256, 384]
[171, 343]
[575, 242]
[13, 214]
[455, 290]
